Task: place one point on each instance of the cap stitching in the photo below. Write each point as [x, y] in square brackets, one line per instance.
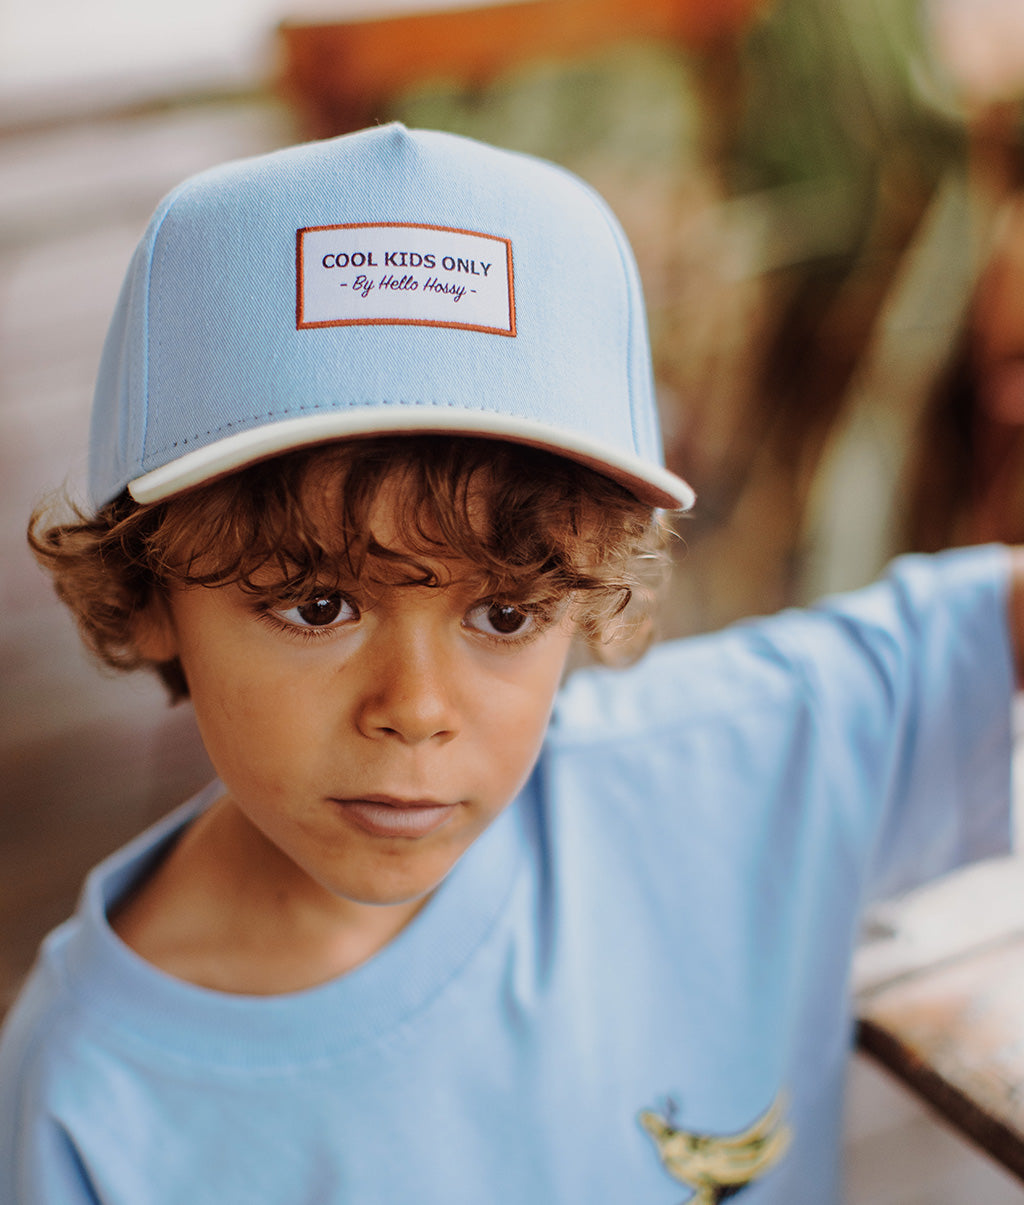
[311, 407]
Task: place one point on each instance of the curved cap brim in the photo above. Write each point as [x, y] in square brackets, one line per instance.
[650, 484]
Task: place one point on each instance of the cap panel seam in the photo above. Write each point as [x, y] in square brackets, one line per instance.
[630, 282]
[153, 340]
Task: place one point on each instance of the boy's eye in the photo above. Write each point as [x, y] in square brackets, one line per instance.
[320, 612]
[500, 619]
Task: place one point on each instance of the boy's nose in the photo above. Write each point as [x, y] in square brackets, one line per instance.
[408, 697]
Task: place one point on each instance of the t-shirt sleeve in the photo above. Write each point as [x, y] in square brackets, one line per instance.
[866, 741]
[38, 1161]
[914, 680]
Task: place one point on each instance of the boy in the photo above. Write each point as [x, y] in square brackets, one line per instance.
[374, 440]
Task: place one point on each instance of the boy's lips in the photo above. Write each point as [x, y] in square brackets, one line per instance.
[389, 816]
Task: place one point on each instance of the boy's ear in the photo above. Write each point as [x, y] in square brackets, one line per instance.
[153, 631]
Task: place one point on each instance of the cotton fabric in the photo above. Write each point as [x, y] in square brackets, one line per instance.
[663, 921]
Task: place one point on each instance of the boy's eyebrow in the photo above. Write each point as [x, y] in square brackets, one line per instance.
[338, 577]
[475, 584]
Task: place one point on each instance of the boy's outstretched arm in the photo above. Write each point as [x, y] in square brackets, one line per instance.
[1017, 610]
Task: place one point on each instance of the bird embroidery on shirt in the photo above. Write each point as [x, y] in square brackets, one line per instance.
[717, 1166]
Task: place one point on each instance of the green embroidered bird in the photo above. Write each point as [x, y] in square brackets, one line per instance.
[718, 1166]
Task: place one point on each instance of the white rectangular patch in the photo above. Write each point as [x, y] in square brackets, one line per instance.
[404, 273]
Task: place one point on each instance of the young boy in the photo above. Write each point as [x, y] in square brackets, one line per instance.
[374, 441]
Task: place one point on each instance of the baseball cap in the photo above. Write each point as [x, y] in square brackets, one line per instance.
[387, 281]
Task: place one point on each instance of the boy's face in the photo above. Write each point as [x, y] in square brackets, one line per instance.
[368, 744]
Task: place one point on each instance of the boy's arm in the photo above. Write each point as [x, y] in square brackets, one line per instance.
[1017, 610]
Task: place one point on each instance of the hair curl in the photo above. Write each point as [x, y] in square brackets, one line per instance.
[535, 526]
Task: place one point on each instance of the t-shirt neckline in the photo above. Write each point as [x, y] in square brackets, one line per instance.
[149, 1008]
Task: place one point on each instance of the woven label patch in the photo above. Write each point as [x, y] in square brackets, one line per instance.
[403, 273]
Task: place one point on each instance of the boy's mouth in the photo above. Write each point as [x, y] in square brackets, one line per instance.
[388, 816]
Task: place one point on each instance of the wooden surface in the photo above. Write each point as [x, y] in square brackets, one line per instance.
[941, 1002]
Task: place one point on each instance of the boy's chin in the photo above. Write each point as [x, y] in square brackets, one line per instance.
[394, 891]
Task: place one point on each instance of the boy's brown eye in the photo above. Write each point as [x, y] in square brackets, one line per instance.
[500, 619]
[320, 611]
[505, 619]
[325, 611]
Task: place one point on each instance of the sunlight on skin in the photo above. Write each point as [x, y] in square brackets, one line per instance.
[362, 751]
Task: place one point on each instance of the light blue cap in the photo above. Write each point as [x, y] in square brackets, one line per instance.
[387, 281]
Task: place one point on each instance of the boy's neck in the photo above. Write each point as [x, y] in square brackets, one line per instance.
[222, 912]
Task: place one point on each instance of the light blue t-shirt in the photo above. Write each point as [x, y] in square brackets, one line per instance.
[632, 989]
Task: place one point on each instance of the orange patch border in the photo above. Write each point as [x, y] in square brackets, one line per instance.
[301, 325]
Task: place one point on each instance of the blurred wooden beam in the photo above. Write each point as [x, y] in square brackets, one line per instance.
[341, 74]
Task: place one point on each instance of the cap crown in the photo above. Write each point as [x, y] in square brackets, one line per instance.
[387, 280]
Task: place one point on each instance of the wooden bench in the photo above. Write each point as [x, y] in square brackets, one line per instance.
[940, 1002]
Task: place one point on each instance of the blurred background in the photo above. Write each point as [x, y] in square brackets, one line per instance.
[825, 198]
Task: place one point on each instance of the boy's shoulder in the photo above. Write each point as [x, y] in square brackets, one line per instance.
[44, 1052]
[674, 685]
[852, 654]
[62, 1005]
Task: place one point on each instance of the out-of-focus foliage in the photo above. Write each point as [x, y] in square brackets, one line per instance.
[834, 85]
[777, 188]
[636, 104]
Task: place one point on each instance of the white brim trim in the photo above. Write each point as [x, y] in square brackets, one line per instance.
[650, 483]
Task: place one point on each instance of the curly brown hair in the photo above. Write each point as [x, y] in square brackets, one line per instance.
[537, 527]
